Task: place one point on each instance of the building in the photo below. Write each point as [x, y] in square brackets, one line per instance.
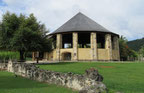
[82, 39]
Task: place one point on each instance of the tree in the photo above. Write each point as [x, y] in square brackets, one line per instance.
[125, 51]
[141, 51]
[23, 34]
[123, 48]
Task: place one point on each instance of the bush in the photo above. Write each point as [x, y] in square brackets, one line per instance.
[6, 55]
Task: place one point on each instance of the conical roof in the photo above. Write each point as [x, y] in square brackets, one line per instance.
[80, 23]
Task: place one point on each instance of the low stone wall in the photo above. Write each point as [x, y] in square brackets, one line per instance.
[3, 66]
[90, 82]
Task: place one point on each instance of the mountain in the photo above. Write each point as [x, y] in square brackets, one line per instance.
[136, 44]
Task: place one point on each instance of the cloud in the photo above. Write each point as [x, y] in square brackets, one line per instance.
[0, 15]
[125, 17]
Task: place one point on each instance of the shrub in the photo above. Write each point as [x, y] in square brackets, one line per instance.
[6, 55]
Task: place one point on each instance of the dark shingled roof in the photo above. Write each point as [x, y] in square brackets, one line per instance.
[80, 23]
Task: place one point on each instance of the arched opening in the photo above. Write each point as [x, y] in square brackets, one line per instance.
[66, 56]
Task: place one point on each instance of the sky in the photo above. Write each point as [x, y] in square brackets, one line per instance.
[124, 17]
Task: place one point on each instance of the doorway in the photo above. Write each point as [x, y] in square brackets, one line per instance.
[67, 56]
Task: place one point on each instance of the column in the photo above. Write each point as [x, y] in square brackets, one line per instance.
[75, 46]
[94, 46]
[58, 46]
[33, 56]
[116, 46]
[46, 55]
[37, 54]
[108, 45]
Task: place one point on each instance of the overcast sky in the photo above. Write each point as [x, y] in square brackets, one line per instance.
[125, 17]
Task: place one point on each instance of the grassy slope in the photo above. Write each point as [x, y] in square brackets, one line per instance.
[10, 84]
[124, 77]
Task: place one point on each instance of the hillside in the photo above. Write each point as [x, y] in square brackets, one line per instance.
[136, 44]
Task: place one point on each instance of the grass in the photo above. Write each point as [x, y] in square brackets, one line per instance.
[11, 84]
[124, 77]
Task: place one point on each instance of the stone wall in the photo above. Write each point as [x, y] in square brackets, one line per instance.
[90, 82]
[3, 66]
[84, 54]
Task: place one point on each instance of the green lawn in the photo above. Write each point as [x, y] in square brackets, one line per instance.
[124, 77]
[11, 84]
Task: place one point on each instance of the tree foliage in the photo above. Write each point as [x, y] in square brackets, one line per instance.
[125, 51]
[23, 33]
[141, 51]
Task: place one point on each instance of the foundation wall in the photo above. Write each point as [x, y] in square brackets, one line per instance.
[84, 54]
[103, 54]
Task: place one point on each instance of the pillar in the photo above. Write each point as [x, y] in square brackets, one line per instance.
[58, 46]
[46, 55]
[75, 46]
[33, 56]
[94, 46]
[37, 54]
[116, 46]
[108, 45]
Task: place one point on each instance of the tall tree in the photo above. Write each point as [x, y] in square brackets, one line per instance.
[23, 34]
[123, 48]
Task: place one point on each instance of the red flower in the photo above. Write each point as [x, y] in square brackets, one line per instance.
[126, 46]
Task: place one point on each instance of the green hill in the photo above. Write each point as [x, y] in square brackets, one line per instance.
[136, 44]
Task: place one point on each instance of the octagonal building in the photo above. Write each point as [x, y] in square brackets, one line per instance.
[82, 39]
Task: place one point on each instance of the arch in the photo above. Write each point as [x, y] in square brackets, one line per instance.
[66, 56]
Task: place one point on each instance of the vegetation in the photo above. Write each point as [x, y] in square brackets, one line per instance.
[125, 52]
[141, 51]
[6, 55]
[136, 44]
[11, 84]
[123, 77]
[23, 33]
